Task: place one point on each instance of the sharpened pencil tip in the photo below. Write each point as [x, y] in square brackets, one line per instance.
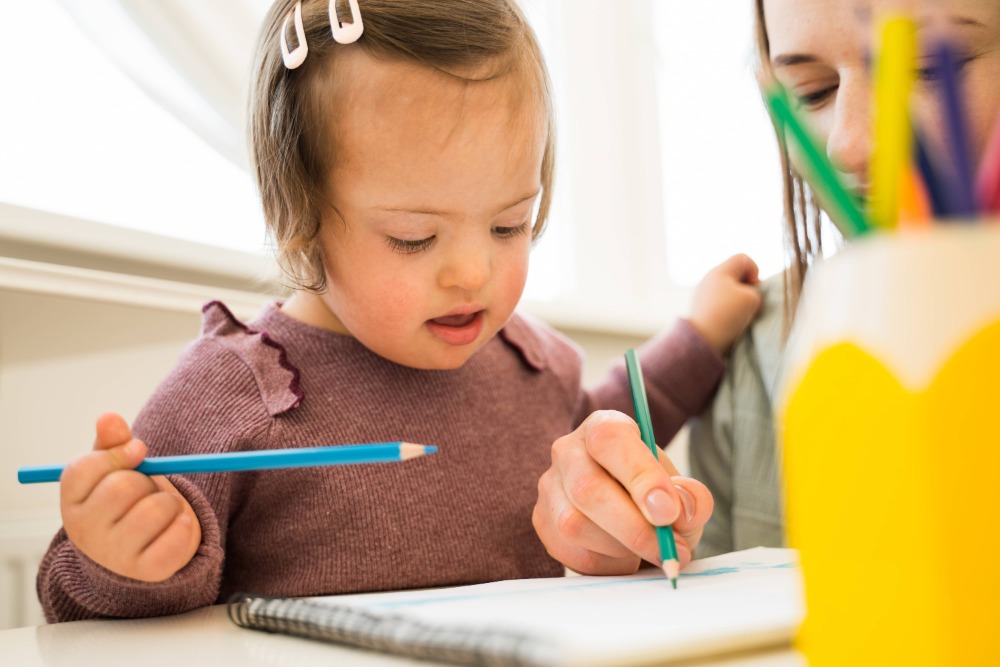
[673, 582]
[409, 450]
[672, 569]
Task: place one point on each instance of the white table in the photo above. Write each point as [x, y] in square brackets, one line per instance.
[206, 637]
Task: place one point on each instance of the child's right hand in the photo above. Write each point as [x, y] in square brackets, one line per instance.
[725, 302]
[134, 525]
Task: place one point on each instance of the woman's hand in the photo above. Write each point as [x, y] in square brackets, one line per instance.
[605, 490]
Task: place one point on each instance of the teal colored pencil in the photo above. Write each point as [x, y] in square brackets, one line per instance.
[268, 459]
[664, 534]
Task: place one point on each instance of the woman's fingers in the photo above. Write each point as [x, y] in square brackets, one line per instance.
[603, 493]
[613, 444]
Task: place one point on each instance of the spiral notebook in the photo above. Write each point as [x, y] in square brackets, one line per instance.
[742, 600]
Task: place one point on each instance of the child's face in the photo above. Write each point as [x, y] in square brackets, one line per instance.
[818, 50]
[427, 236]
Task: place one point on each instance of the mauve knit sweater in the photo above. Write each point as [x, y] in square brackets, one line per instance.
[460, 516]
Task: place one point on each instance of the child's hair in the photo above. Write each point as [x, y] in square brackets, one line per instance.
[803, 241]
[290, 144]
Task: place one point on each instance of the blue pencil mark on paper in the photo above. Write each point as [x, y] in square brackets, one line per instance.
[739, 568]
[610, 582]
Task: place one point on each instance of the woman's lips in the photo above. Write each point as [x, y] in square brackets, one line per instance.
[457, 329]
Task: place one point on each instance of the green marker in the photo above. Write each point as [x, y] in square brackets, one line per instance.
[664, 534]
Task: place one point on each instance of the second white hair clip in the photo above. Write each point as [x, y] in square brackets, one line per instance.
[343, 32]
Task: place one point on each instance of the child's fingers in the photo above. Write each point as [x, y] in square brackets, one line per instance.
[743, 268]
[90, 522]
[169, 552]
[112, 431]
[81, 476]
[116, 493]
[144, 522]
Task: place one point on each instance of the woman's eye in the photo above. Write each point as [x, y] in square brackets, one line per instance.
[816, 97]
[933, 73]
[408, 247]
[511, 232]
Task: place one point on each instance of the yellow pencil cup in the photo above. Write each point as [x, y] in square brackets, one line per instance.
[889, 429]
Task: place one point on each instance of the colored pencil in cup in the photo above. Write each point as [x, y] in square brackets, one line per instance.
[819, 172]
[956, 125]
[988, 180]
[937, 188]
[302, 457]
[893, 82]
[664, 534]
[914, 202]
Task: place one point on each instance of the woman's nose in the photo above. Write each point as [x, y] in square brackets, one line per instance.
[849, 143]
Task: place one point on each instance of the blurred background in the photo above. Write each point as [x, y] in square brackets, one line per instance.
[126, 202]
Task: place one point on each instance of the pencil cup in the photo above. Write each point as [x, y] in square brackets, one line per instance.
[889, 425]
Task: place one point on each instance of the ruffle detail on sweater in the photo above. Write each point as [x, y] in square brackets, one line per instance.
[521, 335]
[277, 379]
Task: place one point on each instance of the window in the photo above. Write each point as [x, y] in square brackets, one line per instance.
[721, 172]
[666, 158]
[81, 139]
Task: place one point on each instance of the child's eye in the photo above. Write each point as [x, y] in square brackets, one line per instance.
[408, 247]
[511, 232]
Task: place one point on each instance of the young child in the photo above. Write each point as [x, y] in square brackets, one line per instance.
[400, 174]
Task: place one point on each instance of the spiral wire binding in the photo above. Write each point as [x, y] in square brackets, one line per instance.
[388, 633]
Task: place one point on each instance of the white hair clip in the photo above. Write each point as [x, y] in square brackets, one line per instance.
[346, 33]
[294, 58]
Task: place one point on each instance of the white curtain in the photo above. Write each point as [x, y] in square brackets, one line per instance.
[191, 56]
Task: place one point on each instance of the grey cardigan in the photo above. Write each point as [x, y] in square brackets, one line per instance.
[732, 443]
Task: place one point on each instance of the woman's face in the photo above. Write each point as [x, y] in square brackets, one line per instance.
[818, 50]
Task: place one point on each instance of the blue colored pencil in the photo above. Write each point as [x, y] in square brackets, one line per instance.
[269, 459]
[937, 190]
[958, 135]
[664, 534]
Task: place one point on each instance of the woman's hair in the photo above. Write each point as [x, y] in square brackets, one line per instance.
[292, 148]
[803, 241]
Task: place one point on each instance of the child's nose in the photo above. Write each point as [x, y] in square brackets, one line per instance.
[468, 269]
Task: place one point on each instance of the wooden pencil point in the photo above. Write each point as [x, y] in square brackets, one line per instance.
[672, 569]
[409, 450]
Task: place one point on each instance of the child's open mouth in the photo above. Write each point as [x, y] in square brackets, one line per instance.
[457, 329]
[455, 320]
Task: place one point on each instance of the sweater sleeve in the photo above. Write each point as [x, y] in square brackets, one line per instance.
[681, 372]
[209, 402]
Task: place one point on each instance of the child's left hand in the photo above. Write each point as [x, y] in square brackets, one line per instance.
[725, 302]
[598, 501]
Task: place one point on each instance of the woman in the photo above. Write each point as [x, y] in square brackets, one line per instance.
[818, 50]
